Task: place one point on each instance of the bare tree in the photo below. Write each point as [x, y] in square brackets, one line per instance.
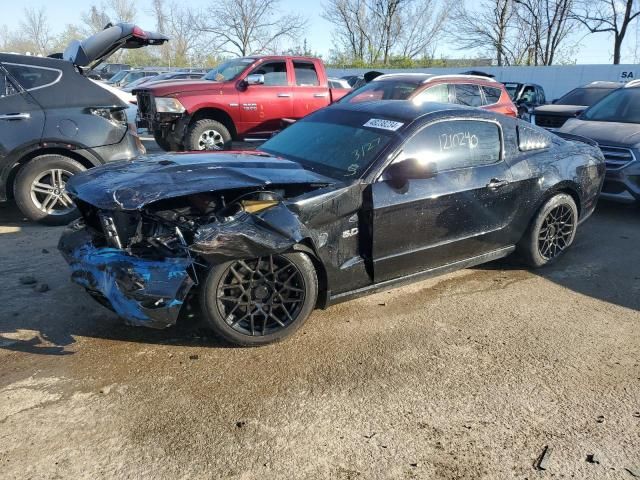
[352, 30]
[488, 26]
[373, 31]
[243, 27]
[421, 27]
[35, 27]
[176, 21]
[111, 11]
[550, 23]
[95, 19]
[609, 16]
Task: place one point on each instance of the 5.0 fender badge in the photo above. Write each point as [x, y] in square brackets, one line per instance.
[350, 233]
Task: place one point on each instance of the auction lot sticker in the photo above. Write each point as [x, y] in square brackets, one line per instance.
[383, 124]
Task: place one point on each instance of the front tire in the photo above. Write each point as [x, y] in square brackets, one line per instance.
[259, 301]
[39, 189]
[207, 134]
[551, 232]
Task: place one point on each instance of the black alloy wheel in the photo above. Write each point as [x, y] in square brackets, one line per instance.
[551, 231]
[261, 300]
[556, 232]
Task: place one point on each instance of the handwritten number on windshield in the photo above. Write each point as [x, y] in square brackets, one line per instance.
[361, 152]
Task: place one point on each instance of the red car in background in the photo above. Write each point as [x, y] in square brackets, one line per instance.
[469, 90]
[240, 99]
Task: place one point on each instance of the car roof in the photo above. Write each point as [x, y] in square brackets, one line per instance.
[602, 84]
[420, 78]
[406, 110]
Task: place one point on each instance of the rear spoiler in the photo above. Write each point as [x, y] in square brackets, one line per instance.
[577, 138]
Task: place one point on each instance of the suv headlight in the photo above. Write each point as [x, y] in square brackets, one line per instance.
[168, 105]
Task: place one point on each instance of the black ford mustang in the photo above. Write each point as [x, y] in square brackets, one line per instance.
[351, 199]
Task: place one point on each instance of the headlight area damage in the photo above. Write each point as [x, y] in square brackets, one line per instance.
[143, 263]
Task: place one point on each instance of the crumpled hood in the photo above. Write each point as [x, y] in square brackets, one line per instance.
[605, 133]
[564, 110]
[131, 185]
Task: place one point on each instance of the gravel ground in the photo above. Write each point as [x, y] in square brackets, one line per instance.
[466, 376]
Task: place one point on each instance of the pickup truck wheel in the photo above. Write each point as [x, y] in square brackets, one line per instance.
[259, 301]
[208, 134]
[551, 232]
[39, 189]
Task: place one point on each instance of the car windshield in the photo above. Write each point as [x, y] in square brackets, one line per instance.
[229, 70]
[584, 96]
[512, 89]
[338, 144]
[622, 106]
[381, 90]
[118, 76]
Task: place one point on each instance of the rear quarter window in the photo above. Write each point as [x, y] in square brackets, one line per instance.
[491, 94]
[31, 77]
[468, 94]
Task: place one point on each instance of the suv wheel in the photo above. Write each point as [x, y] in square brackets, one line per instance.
[261, 300]
[207, 134]
[39, 189]
[551, 232]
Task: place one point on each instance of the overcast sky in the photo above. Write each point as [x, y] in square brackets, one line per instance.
[594, 48]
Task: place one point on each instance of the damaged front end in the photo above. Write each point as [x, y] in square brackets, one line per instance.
[143, 263]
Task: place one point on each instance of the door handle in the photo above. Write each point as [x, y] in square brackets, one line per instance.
[320, 95]
[495, 184]
[15, 116]
[284, 95]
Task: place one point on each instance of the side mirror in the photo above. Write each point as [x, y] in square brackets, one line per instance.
[410, 169]
[255, 79]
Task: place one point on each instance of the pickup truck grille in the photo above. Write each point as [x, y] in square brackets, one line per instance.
[550, 121]
[146, 106]
[616, 157]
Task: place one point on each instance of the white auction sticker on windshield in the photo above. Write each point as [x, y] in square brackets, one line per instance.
[383, 124]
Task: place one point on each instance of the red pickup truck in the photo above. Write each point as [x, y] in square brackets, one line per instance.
[244, 98]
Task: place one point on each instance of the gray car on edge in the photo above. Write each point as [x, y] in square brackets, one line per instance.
[614, 122]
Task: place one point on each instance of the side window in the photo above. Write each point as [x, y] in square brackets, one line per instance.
[456, 144]
[30, 77]
[528, 95]
[275, 73]
[437, 93]
[7, 88]
[541, 99]
[468, 94]
[306, 75]
[492, 95]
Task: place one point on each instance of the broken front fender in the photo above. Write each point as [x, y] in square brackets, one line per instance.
[144, 292]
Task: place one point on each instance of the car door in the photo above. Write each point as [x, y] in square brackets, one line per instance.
[263, 106]
[21, 118]
[461, 212]
[308, 95]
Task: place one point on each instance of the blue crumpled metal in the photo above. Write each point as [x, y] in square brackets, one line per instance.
[144, 292]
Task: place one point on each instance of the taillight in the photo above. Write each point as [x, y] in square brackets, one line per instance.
[114, 115]
[139, 33]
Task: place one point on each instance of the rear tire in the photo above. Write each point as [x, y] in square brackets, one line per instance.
[551, 232]
[259, 301]
[207, 134]
[39, 189]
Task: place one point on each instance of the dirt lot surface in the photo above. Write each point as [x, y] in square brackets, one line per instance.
[467, 376]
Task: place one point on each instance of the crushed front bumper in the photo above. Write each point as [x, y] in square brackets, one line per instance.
[144, 292]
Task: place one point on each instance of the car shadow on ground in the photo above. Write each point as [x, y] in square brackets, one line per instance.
[603, 264]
